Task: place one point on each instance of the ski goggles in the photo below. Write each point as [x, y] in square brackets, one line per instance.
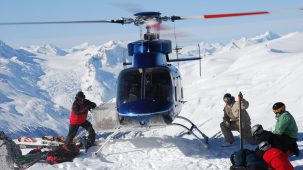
[264, 146]
[258, 131]
[226, 99]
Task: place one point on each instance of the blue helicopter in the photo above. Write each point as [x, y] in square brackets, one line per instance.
[150, 92]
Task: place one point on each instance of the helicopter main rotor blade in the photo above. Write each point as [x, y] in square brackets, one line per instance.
[214, 16]
[119, 21]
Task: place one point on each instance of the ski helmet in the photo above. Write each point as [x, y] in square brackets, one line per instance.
[228, 98]
[80, 96]
[278, 107]
[264, 146]
[256, 130]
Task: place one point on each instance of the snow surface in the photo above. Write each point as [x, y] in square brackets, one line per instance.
[37, 90]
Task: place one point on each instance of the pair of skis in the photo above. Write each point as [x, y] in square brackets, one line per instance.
[25, 161]
[28, 142]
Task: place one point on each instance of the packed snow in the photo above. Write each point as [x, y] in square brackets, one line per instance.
[38, 85]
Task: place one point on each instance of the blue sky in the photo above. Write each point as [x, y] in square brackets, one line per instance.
[217, 30]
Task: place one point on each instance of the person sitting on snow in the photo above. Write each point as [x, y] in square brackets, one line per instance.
[274, 140]
[274, 157]
[286, 127]
[231, 119]
[78, 117]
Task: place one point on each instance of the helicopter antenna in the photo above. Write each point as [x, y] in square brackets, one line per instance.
[176, 48]
[200, 59]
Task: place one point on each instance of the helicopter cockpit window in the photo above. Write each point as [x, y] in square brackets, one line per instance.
[157, 83]
[129, 85]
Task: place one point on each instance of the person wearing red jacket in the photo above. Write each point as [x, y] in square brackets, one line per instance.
[274, 157]
[78, 117]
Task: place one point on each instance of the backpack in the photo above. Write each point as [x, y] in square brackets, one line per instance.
[247, 160]
[61, 154]
[8, 152]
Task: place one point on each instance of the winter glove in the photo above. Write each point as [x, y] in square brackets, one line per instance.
[93, 105]
[88, 108]
[227, 123]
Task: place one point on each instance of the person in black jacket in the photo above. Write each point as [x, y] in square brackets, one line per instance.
[78, 117]
[274, 140]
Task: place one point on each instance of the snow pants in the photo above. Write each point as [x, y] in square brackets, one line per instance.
[291, 144]
[73, 129]
[232, 126]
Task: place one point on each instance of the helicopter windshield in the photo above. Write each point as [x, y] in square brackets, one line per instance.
[156, 82]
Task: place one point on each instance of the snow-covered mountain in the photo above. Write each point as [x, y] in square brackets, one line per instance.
[36, 93]
[244, 42]
[24, 107]
[46, 49]
[7, 51]
[81, 47]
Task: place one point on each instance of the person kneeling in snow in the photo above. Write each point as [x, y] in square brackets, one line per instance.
[78, 117]
[231, 119]
[274, 157]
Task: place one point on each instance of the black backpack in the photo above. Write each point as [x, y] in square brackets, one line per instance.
[247, 160]
[60, 154]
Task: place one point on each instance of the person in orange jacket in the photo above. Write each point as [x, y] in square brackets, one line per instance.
[274, 157]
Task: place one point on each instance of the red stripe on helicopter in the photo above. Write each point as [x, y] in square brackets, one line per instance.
[234, 14]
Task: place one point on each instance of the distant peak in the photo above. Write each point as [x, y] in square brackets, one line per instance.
[2, 44]
[7, 51]
[47, 49]
[268, 36]
[110, 43]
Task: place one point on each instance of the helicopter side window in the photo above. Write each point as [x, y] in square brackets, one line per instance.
[129, 85]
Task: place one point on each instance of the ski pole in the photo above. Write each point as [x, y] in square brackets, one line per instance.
[240, 121]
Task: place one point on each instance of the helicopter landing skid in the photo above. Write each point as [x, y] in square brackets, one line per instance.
[190, 131]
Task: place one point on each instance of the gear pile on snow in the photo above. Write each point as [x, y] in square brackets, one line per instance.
[8, 152]
[62, 154]
[53, 156]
